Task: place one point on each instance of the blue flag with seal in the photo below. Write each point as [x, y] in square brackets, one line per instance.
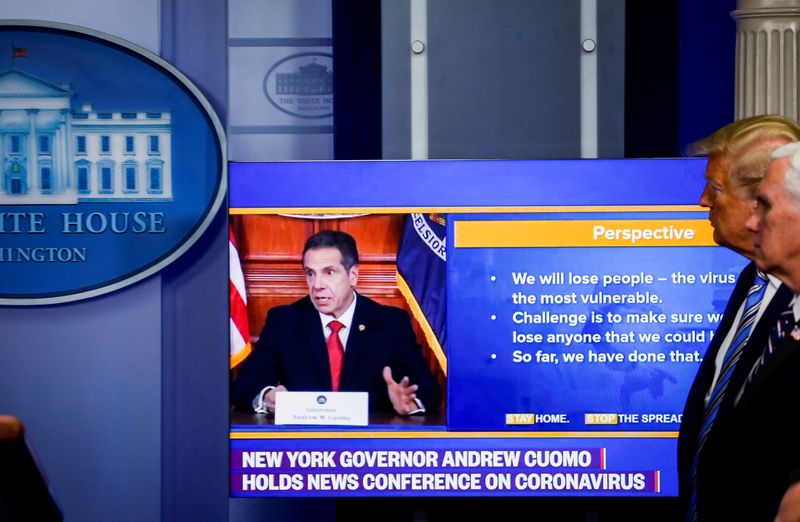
[421, 276]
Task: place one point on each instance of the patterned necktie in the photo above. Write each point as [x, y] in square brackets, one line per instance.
[335, 353]
[751, 304]
[785, 321]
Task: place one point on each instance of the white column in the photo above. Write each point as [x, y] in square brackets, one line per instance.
[63, 163]
[66, 150]
[767, 57]
[55, 157]
[33, 152]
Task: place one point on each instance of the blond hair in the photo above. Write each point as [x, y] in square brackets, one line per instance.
[747, 144]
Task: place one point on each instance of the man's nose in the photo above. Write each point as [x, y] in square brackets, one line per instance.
[753, 222]
[705, 197]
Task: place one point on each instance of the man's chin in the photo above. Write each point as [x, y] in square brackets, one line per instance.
[322, 308]
[762, 264]
[719, 239]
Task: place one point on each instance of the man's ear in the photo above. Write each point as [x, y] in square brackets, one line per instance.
[353, 273]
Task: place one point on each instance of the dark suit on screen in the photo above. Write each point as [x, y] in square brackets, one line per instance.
[717, 459]
[291, 351]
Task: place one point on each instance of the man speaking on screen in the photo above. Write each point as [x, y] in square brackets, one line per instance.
[336, 339]
[738, 155]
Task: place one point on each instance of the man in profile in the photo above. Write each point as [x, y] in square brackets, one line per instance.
[765, 411]
[738, 155]
[336, 339]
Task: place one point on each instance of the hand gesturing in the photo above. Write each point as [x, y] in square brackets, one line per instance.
[402, 394]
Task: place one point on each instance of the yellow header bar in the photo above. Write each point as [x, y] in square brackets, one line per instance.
[583, 233]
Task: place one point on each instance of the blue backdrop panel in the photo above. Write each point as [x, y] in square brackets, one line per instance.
[493, 361]
[446, 184]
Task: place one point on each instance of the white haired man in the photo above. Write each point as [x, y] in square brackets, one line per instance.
[763, 480]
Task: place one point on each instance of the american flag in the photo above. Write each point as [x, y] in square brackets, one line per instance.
[240, 328]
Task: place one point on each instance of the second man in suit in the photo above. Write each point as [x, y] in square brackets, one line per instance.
[765, 482]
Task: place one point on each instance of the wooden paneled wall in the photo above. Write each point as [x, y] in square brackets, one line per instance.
[270, 247]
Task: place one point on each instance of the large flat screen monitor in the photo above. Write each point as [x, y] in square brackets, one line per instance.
[564, 306]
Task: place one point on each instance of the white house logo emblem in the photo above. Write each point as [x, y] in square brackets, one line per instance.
[302, 85]
[111, 164]
[53, 154]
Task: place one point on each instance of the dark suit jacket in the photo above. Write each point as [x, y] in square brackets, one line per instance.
[716, 458]
[291, 351]
[763, 439]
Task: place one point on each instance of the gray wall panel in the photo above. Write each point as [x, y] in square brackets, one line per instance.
[136, 21]
[195, 303]
[193, 36]
[85, 379]
[396, 79]
[611, 78]
[195, 382]
[503, 79]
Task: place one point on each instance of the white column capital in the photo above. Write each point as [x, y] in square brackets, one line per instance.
[765, 8]
[766, 58]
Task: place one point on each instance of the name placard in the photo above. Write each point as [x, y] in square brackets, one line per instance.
[322, 408]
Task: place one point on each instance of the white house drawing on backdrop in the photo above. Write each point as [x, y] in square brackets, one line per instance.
[52, 154]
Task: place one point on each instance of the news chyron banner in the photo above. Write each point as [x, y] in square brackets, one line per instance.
[415, 464]
[576, 321]
[580, 299]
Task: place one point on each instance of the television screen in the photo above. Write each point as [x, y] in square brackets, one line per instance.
[563, 306]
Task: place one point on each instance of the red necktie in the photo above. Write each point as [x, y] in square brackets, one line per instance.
[335, 353]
